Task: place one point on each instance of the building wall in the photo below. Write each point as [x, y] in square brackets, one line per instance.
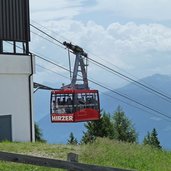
[15, 93]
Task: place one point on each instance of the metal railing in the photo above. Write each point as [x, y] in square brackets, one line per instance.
[70, 165]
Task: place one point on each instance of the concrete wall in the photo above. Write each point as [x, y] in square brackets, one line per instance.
[15, 93]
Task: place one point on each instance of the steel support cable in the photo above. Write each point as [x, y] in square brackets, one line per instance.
[132, 80]
[69, 58]
[146, 87]
[52, 71]
[137, 84]
[44, 27]
[135, 101]
[48, 40]
[108, 62]
[129, 104]
[109, 89]
[46, 34]
[69, 41]
[124, 96]
[121, 69]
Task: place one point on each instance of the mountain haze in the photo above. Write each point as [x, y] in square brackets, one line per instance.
[143, 118]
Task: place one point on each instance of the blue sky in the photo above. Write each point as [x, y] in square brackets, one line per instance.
[130, 36]
[134, 35]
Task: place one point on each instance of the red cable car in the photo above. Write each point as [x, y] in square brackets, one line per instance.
[75, 102]
[74, 105]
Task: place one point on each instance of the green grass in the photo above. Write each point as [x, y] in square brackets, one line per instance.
[102, 152]
[124, 155]
[35, 149]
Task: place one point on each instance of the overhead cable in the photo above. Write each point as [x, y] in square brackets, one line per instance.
[138, 83]
[109, 89]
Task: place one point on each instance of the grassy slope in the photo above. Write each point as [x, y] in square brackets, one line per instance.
[102, 152]
[124, 155]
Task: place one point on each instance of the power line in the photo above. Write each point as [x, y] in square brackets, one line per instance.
[100, 92]
[50, 30]
[99, 84]
[132, 80]
[48, 40]
[52, 71]
[129, 104]
[121, 69]
[109, 89]
[145, 87]
[88, 52]
[46, 34]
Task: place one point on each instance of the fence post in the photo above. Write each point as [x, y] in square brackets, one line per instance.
[72, 157]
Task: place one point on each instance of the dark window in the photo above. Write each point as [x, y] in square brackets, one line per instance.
[62, 103]
[5, 128]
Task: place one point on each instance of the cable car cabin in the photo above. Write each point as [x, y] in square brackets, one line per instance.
[74, 105]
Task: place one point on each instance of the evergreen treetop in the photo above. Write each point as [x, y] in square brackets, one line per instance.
[72, 140]
[152, 139]
[123, 127]
[118, 127]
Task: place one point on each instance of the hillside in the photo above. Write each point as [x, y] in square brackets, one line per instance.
[103, 152]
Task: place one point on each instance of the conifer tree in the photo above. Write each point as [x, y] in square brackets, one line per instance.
[38, 134]
[87, 138]
[123, 127]
[120, 128]
[152, 139]
[100, 128]
[147, 139]
[72, 140]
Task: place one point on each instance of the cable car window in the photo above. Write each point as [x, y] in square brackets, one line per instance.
[92, 100]
[86, 100]
[69, 103]
[62, 103]
[81, 103]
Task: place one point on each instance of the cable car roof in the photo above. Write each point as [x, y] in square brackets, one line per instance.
[73, 91]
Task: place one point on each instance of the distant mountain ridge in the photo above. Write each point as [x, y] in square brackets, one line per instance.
[144, 121]
[160, 83]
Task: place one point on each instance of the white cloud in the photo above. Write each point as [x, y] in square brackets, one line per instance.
[167, 129]
[157, 10]
[156, 119]
[137, 9]
[54, 9]
[139, 49]
[141, 38]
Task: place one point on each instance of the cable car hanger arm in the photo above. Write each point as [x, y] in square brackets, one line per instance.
[75, 49]
[79, 66]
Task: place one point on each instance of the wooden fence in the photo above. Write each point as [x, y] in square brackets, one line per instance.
[71, 165]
